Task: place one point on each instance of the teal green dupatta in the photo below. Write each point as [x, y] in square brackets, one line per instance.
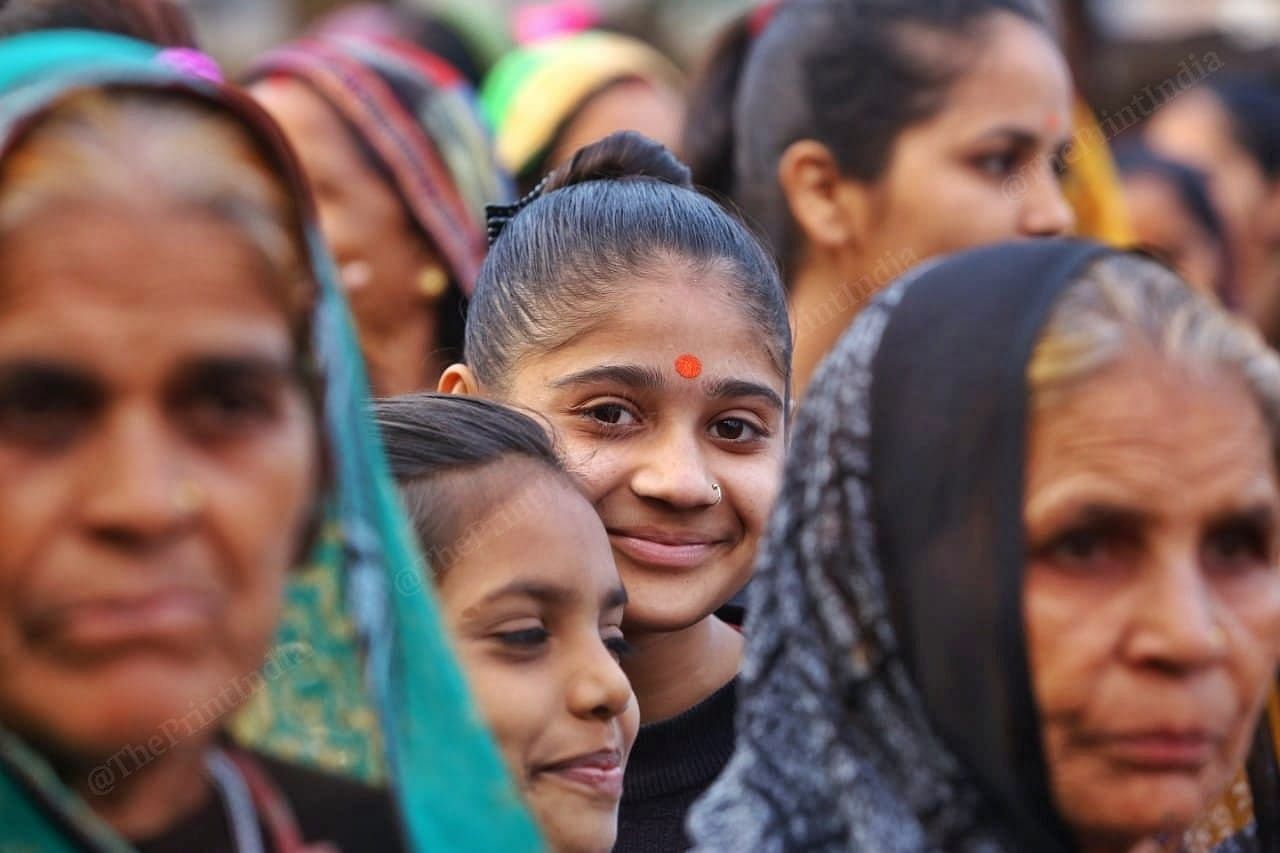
[366, 577]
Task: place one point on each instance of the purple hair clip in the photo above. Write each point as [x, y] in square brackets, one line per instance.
[193, 63]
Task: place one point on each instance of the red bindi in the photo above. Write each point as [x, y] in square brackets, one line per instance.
[689, 366]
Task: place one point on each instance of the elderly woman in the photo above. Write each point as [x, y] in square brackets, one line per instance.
[1020, 591]
[180, 403]
[402, 167]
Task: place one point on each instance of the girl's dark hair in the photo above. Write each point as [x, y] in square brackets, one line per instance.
[429, 437]
[1253, 102]
[851, 74]
[621, 208]
[161, 22]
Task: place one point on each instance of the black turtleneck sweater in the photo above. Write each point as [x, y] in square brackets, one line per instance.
[672, 763]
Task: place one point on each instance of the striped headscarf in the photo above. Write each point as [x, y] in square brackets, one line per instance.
[419, 117]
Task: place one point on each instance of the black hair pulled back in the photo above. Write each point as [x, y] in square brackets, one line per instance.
[618, 210]
[850, 74]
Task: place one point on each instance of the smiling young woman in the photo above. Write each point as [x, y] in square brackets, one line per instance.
[650, 329]
[531, 595]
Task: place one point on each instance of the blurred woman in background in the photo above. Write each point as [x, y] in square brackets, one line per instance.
[1020, 591]
[401, 168]
[1230, 130]
[547, 100]
[862, 138]
[1174, 216]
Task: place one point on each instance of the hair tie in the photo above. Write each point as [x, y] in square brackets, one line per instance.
[496, 216]
[761, 17]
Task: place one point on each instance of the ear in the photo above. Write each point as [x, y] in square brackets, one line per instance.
[459, 379]
[830, 209]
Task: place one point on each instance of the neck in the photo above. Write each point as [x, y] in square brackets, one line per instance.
[674, 671]
[401, 359]
[149, 797]
[826, 293]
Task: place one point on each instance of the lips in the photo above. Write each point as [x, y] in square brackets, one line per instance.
[165, 616]
[1163, 750]
[597, 774]
[664, 549]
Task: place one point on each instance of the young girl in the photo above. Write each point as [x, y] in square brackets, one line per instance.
[864, 137]
[651, 329]
[531, 597]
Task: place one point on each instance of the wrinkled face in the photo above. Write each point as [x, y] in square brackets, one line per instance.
[378, 249]
[1152, 598]
[649, 432]
[648, 108]
[534, 606]
[158, 465]
[1164, 224]
[983, 169]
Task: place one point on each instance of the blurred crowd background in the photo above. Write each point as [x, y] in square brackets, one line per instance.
[1128, 42]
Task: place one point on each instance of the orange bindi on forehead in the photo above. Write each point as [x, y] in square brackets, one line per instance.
[689, 366]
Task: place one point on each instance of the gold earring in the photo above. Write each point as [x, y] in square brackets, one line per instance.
[433, 281]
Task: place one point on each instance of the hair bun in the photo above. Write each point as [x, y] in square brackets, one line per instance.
[621, 155]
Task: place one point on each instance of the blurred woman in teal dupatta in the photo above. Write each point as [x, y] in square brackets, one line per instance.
[182, 415]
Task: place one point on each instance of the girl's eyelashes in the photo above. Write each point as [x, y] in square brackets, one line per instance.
[613, 414]
[737, 430]
[618, 647]
[525, 639]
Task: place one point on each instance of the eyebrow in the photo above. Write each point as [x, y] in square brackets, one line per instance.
[636, 376]
[541, 592]
[223, 368]
[46, 373]
[645, 378]
[1017, 135]
[721, 389]
[1261, 514]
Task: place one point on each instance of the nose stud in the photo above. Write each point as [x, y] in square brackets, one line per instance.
[715, 487]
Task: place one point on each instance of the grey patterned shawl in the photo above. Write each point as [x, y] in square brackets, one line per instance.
[885, 703]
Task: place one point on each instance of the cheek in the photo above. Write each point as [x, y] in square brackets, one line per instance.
[930, 210]
[599, 467]
[261, 502]
[1072, 630]
[753, 484]
[513, 699]
[1252, 619]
